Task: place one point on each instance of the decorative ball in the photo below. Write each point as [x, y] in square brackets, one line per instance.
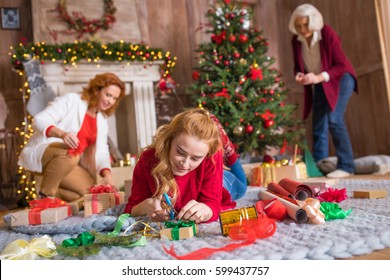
[232, 38]
[284, 162]
[249, 129]
[243, 38]
[268, 123]
[238, 130]
[268, 159]
[243, 61]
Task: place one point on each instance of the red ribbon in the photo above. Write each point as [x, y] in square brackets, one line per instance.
[248, 231]
[38, 205]
[333, 195]
[273, 208]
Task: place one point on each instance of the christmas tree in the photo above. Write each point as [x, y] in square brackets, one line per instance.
[235, 81]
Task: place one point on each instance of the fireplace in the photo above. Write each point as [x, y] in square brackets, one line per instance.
[134, 124]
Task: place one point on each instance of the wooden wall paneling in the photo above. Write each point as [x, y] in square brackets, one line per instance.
[10, 81]
[382, 10]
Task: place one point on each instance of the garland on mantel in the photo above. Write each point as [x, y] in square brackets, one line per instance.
[92, 52]
[81, 25]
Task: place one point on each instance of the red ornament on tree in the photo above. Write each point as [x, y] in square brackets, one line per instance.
[243, 38]
[268, 123]
[249, 129]
[232, 38]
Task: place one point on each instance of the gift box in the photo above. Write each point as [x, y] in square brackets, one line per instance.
[266, 173]
[43, 211]
[370, 194]
[179, 230]
[101, 198]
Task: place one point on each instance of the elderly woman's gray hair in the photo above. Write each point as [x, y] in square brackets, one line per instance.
[316, 21]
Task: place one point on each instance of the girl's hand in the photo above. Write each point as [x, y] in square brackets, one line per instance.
[153, 209]
[195, 211]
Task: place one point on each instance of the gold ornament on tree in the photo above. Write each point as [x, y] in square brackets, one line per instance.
[238, 130]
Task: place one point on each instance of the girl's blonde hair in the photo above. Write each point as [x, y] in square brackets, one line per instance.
[91, 92]
[193, 122]
[316, 22]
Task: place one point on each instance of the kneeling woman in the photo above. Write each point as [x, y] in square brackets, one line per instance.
[184, 162]
[69, 144]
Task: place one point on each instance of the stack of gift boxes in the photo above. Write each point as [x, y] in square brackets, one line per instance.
[265, 173]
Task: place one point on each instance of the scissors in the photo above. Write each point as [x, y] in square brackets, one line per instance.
[170, 206]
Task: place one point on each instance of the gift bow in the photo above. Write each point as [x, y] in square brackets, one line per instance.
[175, 226]
[34, 215]
[47, 202]
[102, 189]
[23, 250]
[333, 211]
[312, 209]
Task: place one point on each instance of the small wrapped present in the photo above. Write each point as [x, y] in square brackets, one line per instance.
[44, 211]
[101, 198]
[179, 230]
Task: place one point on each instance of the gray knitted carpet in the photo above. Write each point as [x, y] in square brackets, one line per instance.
[367, 228]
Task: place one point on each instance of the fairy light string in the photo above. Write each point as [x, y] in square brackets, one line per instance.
[71, 54]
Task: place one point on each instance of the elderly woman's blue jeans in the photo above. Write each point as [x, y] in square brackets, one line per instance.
[234, 180]
[324, 120]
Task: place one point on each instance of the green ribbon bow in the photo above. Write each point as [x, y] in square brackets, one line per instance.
[333, 211]
[82, 239]
[175, 226]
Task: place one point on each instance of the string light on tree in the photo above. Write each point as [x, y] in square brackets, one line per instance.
[237, 83]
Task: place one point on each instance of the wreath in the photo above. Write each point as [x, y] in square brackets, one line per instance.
[81, 25]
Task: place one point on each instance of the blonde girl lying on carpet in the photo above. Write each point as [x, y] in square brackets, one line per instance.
[185, 163]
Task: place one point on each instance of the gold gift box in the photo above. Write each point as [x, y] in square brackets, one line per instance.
[95, 203]
[264, 174]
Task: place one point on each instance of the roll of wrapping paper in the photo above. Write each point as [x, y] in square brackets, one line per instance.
[294, 211]
[234, 217]
[299, 190]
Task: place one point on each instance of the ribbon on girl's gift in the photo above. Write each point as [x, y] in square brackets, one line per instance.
[333, 211]
[333, 195]
[34, 215]
[248, 231]
[23, 250]
[312, 208]
[175, 227]
[100, 189]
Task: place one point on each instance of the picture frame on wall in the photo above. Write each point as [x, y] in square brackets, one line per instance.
[10, 18]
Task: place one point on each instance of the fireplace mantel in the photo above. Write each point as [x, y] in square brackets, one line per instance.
[134, 124]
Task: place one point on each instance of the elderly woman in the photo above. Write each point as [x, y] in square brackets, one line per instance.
[329, 80]
[69, 144]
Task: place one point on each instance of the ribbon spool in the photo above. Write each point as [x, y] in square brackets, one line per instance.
[232, 218]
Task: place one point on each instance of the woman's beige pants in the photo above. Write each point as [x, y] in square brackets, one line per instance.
[62, 176]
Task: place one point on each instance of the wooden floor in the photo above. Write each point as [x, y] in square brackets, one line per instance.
[376, 255]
